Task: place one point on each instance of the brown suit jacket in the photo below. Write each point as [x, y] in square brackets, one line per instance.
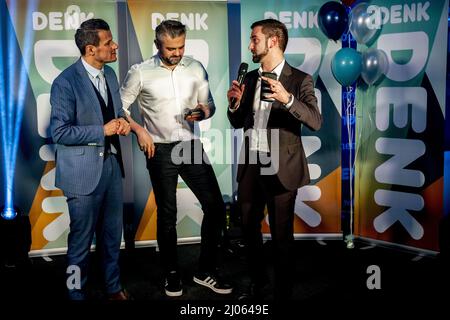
[293, 168]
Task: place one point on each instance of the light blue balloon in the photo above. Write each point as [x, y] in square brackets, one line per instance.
[362, 25]
[346, 66]
[374, 64]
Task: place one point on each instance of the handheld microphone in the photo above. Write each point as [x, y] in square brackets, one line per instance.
[240, 78]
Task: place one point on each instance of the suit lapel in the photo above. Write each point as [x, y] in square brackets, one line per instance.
[285, 74]
[86, 84]
[284, 79]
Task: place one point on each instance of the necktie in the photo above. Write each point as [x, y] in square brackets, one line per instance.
[102, 87]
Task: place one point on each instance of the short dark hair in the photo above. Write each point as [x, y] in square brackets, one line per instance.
[171, 28]
[271, 28]
[87, 33]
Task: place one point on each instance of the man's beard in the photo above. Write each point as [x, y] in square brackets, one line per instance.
[171, 61]
[256, 58]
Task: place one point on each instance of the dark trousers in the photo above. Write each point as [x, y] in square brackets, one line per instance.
[100, 212]
[255, 191]
[199, 176]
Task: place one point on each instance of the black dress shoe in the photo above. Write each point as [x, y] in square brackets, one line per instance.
[254, 291]
[119, 296]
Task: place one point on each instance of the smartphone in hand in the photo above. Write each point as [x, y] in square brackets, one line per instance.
[265, 86]
[194, 114]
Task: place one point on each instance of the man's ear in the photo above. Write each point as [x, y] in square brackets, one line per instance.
[273, 41]
[90, 50]
[157, 44]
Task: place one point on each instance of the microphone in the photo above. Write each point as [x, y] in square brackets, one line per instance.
[240, 78]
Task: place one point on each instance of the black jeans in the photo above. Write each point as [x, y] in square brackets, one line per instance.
[199, 176]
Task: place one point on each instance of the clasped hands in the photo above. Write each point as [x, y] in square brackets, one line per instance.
[117, 126]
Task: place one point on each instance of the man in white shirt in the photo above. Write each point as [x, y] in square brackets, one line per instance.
[173, 95]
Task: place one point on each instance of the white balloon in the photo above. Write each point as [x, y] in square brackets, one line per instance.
[361, 24]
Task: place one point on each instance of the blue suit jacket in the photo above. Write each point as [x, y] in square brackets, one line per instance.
[76, 125]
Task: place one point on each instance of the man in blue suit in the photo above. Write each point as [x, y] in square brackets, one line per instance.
[86, 119]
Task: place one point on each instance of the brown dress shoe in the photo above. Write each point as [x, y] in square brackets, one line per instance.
[121, 295]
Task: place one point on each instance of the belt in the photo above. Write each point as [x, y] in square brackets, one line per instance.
[167, 143]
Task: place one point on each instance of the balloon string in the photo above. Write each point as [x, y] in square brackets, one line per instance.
[350, 115]
[348, 38]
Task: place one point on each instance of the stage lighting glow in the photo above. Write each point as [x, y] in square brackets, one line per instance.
[349, 241]
[12, 93]
[8, 213]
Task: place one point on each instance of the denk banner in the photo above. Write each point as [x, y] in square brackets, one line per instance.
[206, 41]
[44, 33]
[400, 122]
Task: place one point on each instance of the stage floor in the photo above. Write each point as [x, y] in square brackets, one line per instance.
[327, 273]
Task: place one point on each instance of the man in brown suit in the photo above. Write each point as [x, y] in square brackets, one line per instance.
[272, 132]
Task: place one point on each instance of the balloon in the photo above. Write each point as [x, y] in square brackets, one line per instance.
[374, 65]
[362, 24]
[333, 19]
[346, 66]
[348, 3]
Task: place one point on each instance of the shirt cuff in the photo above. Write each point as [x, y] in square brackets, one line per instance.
[126, 111]
[291, 101]
[232, 110]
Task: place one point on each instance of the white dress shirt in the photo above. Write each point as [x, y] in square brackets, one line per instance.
[94, 75]
[164, 95]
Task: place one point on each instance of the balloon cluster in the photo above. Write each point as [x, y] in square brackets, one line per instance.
[348, 64]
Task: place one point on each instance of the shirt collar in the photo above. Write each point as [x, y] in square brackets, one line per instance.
[93, 72]
[278, 69]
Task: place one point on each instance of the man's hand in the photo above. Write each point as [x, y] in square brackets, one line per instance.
[145, 142]
[124, 127]
[235, 93]
[278, 91]
[111, 128]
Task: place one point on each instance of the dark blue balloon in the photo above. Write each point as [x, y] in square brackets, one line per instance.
[333, 19]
